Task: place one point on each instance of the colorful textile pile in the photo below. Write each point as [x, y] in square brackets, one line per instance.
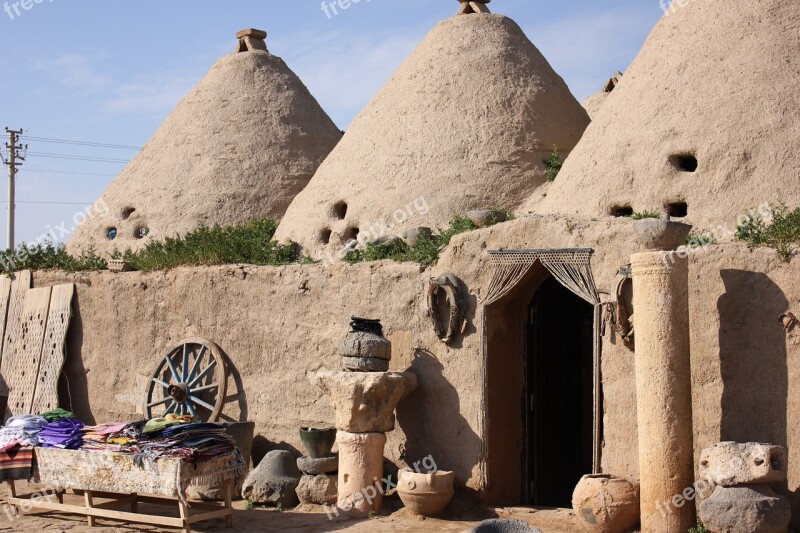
[95, 438]
[159, 424]
[21, 431]
[190, 442]
[66, 434]
[16, 463]
[57, 414]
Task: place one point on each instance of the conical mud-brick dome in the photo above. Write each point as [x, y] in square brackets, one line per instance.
[466, 122]
[705, 124]
[240, 146]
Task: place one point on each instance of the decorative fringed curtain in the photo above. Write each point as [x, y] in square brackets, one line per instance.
[573, 269]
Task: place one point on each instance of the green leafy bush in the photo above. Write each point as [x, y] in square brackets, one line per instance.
[48, 256]
[249, 243]
[700, 528]
[782, 232]
[425, 251]
[553, 164]
[645, 214]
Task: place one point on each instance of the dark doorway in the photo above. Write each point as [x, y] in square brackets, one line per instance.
[559, 383]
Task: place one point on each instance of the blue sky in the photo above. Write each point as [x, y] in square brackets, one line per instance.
[110, 72]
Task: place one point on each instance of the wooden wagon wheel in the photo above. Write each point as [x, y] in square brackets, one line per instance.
[192, 379]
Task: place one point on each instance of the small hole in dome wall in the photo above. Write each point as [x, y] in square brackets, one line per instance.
[340, 210]
[127, 212]
[621, 211]
[350, 234]
[677, 209]
[684, 162]
[141, 232]
[111, 233]
[325, 236]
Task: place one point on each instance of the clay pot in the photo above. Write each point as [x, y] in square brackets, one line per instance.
[425, 494]
[606, 504]
[318, 442]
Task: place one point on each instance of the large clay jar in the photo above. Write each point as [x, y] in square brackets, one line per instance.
[425, 494]
[318, 442]
[606, 504]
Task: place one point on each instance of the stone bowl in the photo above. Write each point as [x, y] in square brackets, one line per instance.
[425, 494]
[318, 442]
[661, 235]
[503, 525]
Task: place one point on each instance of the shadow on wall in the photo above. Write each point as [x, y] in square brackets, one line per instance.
[432, 422]
[72, 385]
[262, 446]
[753, 363]
[238, 395]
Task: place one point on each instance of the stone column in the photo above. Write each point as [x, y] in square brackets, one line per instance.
[663, 391]
[360, 471]
[365, 404]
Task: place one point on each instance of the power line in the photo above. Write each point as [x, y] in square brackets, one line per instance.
[77, 157]
[71, 173]
[47, 203]
[82, 143]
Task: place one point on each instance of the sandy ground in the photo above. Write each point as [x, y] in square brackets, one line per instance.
[305, 519]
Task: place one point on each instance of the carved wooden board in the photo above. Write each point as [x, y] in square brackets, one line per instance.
[19, 288]
[5, 293]
[45, 395]
[22, 358]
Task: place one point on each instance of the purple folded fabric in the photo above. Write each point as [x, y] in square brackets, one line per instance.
[65, 433]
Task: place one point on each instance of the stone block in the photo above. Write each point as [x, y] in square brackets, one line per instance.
[274, 480]
[364, 344]
[364, 364]
[487, 217]
[317, 490]
[731, 463]
[746, 509]
[314, 467]
[365, 401]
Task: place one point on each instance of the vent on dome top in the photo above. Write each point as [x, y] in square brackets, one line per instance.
[127, 212]
[684, 162]
[473, 6]
[251, 39]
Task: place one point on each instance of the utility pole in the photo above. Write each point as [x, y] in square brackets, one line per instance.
[14, 162]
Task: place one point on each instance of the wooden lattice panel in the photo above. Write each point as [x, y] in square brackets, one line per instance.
[5, 293]
[19, 288]
[45, 395]
[26, 351]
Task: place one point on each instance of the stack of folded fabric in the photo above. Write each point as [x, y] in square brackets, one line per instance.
[191, 442]
[95, 438]
[17, 439]
[66, 434]
[21, 431]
